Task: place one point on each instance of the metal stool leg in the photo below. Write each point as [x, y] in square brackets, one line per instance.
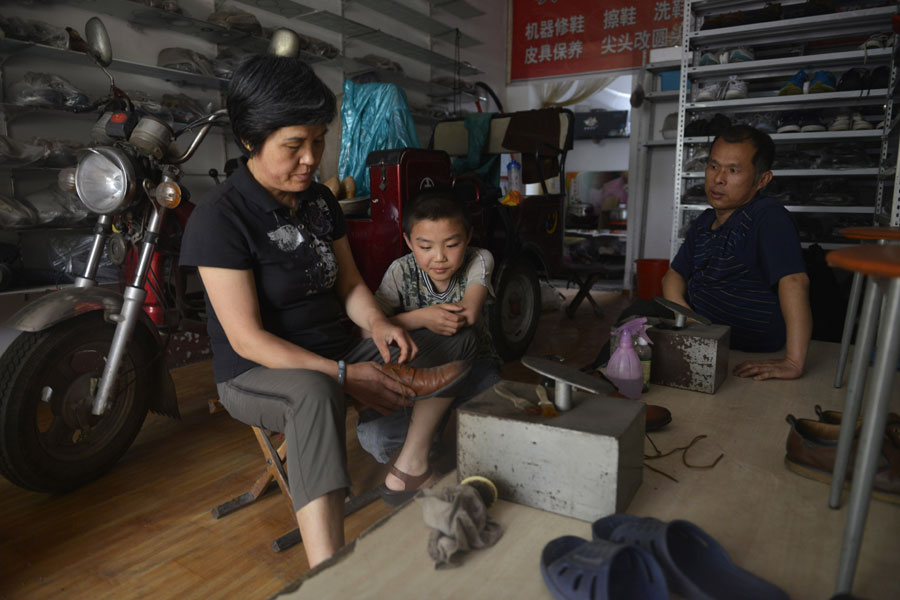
[856, 383]
[871, 436]
[849, 322]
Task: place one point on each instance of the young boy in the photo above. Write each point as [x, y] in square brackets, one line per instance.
[442, 285]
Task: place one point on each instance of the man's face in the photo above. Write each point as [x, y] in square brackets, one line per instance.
[731, 179]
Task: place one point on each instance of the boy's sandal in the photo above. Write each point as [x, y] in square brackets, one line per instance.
[695, 565]
[411, 485]
[578, 569]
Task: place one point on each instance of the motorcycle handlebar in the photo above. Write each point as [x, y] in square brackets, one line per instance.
[207, 122]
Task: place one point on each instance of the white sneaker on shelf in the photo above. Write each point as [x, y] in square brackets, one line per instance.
[709, 92]
[735, 88]
[741, 54]
[840, 122]
[709, 58]
[857, 123]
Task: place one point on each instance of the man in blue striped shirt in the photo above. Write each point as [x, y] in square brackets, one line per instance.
[741, 263]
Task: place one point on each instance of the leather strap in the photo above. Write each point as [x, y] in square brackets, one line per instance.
[411, 481]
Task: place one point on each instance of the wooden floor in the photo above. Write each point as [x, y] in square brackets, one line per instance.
[145, 531]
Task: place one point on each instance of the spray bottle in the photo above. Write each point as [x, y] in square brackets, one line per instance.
[624, 368]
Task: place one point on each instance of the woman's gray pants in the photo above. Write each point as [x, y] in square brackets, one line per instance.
[309, 408]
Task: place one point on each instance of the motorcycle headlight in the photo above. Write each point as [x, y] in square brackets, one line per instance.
[105, 180]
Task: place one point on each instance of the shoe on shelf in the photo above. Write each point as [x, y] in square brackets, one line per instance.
[858, 123]
[839, 122]
[879, 78]
[795, 85]
[822, 82]
[853, 79]
[766, 122]
[697, 128]
[735, 88]
[878, 40]
[741, 54]
[811, 122]
[788, 122]
[709, 58]
[718, 124]
[709, 92]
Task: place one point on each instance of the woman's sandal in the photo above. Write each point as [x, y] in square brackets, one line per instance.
[577, 569]
[411, 485]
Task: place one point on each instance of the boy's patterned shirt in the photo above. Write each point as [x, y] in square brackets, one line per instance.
[405, 287]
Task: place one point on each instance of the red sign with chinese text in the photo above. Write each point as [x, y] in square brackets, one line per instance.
[567, 37]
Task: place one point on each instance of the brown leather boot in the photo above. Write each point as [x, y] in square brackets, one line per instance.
[428, 381]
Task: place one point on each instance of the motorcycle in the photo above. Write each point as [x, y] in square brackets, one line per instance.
[81, 367]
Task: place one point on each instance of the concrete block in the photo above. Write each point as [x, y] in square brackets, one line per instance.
[584, 463]
[693, 358]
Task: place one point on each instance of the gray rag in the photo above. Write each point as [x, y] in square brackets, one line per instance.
[459, 522]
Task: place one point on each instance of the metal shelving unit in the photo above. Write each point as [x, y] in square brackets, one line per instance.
[802, 40]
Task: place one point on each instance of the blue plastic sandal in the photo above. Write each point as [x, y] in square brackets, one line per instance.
[576, 569]
[696, 566]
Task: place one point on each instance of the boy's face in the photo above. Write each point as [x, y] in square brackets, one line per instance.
[439, 247]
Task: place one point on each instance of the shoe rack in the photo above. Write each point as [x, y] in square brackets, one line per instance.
[782, 47]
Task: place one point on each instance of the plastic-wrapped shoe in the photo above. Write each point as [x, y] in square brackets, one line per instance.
[795, 85]
[822, 82]
[735, 88]
[742, 54]
[709, 92]
[858, 123]
[709, 58]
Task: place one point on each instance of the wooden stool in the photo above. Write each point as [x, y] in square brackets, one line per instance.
[881, 266]
[275, 473]
[881, 235]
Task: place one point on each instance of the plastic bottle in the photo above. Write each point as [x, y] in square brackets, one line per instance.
[624, 367]
[646, 355]
[514, 182]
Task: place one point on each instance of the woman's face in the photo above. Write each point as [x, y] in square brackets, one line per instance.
[289, 158]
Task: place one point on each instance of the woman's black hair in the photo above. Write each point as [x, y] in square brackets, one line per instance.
[434, 204]
[269, 92]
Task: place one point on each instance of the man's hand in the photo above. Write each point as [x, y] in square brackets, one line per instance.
[779, 368]
[372, 388]
[385, 333]
[443, 319]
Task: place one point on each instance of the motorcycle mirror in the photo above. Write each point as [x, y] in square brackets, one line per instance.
[284, 42]
[99, 47]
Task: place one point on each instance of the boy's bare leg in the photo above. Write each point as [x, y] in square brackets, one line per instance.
[321, 525]
[413, 457]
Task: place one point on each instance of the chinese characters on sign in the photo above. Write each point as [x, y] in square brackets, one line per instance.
[564, 37]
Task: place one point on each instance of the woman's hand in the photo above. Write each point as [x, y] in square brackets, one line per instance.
[385, 333]
[443, 319]
[369, 386]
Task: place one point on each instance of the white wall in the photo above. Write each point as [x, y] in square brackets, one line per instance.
[606, 155]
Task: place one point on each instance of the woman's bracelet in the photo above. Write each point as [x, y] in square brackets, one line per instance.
[342, 372]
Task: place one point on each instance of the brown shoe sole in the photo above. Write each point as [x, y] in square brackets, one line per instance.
[825, 477]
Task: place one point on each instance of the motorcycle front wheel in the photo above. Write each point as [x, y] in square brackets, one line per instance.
[49, 440]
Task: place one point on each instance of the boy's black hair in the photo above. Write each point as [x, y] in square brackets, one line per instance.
[761, 142]
[269, 92]
[433, 204]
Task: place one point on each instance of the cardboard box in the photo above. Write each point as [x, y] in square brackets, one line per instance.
[584, 463]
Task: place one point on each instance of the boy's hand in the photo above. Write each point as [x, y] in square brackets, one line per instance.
[444, 319]
[384, 334]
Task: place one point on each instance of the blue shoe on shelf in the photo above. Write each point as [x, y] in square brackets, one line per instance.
[822, 82]
[695, 565]
[577, 569]
[795, 85]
